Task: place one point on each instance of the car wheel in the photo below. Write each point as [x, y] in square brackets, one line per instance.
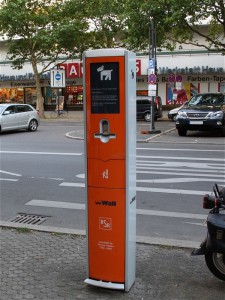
[33, 125]
[147, 117]
[182, 131]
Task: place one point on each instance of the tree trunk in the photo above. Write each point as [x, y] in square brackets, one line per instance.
[40, 102]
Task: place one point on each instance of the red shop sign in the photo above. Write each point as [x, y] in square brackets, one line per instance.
[75, 70]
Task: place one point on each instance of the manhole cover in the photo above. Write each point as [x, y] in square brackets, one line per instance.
[28, 219]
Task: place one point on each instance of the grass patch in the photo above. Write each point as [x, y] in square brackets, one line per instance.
[57, 233]
[23, 230]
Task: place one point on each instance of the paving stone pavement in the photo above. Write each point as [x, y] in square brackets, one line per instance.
[51, 266]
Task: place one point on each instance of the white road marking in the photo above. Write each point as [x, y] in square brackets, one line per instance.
[147, 189]
[56, 204]
[41, 153]
[6, 179]
[176, 180]
[198, 224]
[172, 191]
[82, 176]
[180, 174]
[208, 166]
[146, 212]
[170, 214]
[9, 173]
[170, 149]
[72, 184]
[180, 158]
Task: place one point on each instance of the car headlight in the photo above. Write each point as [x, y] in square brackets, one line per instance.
[182, 114]
[214, 115]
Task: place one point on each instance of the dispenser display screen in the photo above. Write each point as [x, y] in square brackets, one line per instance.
[104, 87]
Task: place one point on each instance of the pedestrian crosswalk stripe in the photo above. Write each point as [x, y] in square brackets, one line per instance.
[148, 189]
[146, 212]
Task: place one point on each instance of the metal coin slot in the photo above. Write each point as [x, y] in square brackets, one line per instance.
[104, 135]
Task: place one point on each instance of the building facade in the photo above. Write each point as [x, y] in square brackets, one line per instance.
[180, 74]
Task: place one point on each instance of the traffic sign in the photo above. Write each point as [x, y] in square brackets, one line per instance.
[175, 78]
[151, 93]
[58, 78]
[151, 71]
[171, 78]
[152, 63]
[179, 78]
[151, 78]
[152, 89]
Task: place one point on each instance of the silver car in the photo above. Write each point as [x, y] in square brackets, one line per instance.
[172, 114]
[18, 116]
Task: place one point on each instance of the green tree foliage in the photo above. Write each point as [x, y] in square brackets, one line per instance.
[39, 31]
[176, 21]
[187, 18]
[105, 26]
[138, 15]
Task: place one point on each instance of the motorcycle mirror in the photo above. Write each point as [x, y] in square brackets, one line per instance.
[208, 202]
[217, 190]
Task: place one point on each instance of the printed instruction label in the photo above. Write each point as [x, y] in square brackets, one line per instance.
[105, 245]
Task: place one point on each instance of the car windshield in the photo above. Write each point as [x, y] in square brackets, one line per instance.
[207, 99]
[1, 109]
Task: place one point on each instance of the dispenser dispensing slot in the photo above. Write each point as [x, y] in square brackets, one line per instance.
[104, 127]
[104, 132]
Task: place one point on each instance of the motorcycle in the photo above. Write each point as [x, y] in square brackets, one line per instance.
[213, 247]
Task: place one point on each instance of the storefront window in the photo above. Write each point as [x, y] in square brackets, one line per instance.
[52, 96]
[30, 96]
[74, 95]
[12, 95]
[222, 87]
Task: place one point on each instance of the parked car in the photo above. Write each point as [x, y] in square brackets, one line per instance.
[18, 116]
[172, 114]
[144, 108]
[202, 112]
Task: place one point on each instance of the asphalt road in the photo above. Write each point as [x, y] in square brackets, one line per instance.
[42, 173]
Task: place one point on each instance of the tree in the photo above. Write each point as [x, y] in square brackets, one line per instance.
[137, 17]
[105, 27]
[40, 31]
[188, 17]
[177, 21]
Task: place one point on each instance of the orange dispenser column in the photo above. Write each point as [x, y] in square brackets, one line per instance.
[110, 145]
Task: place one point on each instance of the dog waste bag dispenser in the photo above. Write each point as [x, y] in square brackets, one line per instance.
[110, 135]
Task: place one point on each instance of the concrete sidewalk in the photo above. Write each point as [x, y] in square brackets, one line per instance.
[51, 266]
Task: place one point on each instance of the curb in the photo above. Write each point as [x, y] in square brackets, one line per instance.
[71, 136]
[155, 136]
[78, 232]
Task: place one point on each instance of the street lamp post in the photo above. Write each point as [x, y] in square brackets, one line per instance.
[152, 85]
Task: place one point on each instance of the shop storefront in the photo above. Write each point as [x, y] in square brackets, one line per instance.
[19, 92]
[183, 74]
[179, 76]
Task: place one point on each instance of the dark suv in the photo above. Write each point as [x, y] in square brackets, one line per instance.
[202, 112]
[144, 108]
